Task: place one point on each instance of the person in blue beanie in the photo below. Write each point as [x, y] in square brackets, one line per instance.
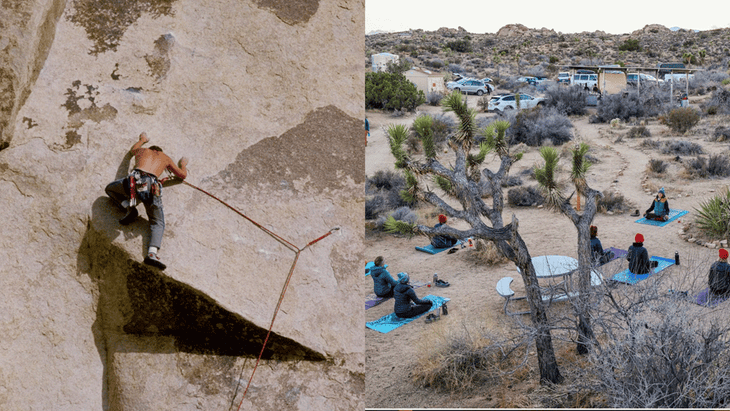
[407, 303]
[659, 209]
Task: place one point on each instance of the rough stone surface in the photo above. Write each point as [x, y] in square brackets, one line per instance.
[265, 99]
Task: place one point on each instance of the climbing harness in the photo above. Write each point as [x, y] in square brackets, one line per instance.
[286, 244]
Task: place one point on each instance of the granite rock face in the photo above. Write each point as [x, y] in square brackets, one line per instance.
[265, 99]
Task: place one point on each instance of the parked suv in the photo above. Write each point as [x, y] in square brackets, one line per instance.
[638, 78]
[477, 87]
[564, 77]
[506, 102]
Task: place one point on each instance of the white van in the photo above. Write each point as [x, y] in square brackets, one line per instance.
[584, 80]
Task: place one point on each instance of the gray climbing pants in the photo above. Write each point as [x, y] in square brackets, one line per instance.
[117, 191]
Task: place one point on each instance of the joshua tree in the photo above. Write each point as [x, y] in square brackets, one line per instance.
[467, 183]
[545, 176]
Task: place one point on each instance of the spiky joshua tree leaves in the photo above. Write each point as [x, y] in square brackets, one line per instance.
[546, 177]
[468, 182]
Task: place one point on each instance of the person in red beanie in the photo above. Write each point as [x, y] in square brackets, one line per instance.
[719, 280]
[441, 241]
[638, 257]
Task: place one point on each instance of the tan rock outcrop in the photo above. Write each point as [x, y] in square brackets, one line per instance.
[265, 99]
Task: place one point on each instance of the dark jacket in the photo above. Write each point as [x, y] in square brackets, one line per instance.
[383, 282]
[719, 280]
[440, 241]
[404, 294]
[663, 212]
[596, 248]
[638, 259]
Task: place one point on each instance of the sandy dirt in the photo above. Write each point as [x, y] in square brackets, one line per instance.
[392, 357]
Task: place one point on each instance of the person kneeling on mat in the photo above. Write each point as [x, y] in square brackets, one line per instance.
[404, 295]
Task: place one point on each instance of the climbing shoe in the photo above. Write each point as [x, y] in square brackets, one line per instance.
[153, 260]
[129, 218]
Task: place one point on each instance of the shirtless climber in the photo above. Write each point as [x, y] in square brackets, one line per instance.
[144, 185]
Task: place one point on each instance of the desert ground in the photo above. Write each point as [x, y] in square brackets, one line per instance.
[475, 305]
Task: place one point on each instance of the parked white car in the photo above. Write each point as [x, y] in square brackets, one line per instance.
[634, 78]
[506, 102]
[564, 77]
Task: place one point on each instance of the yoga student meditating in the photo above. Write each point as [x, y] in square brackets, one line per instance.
[383, 282]
[440, 241]
[719, 280]
[599, 256]
[659, 209]
[638, 257]
[404, 295]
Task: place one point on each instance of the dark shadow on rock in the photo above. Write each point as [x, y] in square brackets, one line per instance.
[141, 302]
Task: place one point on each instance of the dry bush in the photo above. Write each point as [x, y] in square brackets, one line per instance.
[717, 165]
[657, 166]
[464, 360]
[653, 144]
[720, 134]
[638, 131]
[382, 192]
[537, 126]
[682, 119]
[524, 196]
[614, 202]
[485, 253]
[682, 148]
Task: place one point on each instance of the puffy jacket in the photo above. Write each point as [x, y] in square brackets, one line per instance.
[659, 208]
[638, 259]
[596, 247]
[440, 241]
[719, 280]
[404, 294]
[383, 281]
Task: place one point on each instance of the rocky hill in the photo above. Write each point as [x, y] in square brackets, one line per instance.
[235, 87]
[519, 50]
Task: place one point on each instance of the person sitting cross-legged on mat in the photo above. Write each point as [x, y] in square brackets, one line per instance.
[404, 294]
[383, 282]
[659, 209]
[638, 257]
[599, 256]
[719, 280]
[440, 241]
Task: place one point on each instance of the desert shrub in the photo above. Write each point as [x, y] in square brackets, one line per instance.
[683, 148]
[434, 98]
[720, 99]
[718, 165]
[713, 215]
[654, 144]
[465, 360]
[512, 181]
[708, 80]
[638, 131]
[461, 45]
[455, 68]
[534, 126]
[435, 63]
[682, 119]
[443, 126]
[721, 133]
[524, 196]
[623, 106]
[486, 253]
[630, 45]
[413, 144]
[404, 214]
[483, 103]
[391, 91]
[657, 166]
[570, 101]
[382, 191]
[612, 201]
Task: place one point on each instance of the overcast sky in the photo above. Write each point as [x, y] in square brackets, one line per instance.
[482, 16]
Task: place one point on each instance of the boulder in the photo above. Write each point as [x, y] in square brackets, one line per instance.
[275, 163]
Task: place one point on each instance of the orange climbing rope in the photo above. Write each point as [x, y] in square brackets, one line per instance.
[288, 245]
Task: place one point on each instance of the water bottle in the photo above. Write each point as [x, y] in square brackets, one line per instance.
[676, 257]
[444, 310]
[435, 278]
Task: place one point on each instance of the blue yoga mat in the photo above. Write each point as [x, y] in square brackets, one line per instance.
[674, 214]
[390, 322]
[432, 250]
[705, 299]
[628, 277]
[370, 265]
